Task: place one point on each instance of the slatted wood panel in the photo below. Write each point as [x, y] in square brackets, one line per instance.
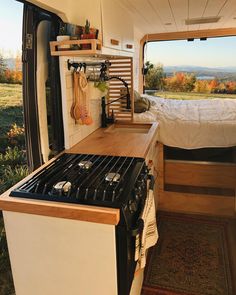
[123, 68]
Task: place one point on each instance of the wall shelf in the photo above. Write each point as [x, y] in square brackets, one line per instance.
[94, 47]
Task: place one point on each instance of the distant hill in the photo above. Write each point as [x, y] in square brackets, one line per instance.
[221, 73]
[197, 69]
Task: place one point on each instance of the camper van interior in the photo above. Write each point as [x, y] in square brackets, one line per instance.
[132, 186]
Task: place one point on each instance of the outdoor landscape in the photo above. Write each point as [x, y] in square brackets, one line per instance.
[12, 149]
[189, 82]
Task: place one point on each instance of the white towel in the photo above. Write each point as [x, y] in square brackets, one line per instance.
[149, 236]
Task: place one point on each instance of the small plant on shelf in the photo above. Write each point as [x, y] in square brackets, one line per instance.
[88, 33]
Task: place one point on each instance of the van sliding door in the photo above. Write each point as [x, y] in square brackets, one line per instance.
[42, 97]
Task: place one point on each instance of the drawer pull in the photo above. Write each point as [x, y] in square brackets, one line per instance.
[115, 42]
[129, 46]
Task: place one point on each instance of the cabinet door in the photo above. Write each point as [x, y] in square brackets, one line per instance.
[127, 33]
[111, 24]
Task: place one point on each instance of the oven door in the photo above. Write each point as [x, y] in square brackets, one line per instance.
[125, 247]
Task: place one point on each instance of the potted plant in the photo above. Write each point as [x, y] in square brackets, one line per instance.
[87, 34]
[63, 36]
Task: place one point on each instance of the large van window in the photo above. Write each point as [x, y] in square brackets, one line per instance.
[194, 69]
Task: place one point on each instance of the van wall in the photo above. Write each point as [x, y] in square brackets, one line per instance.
[77, 12]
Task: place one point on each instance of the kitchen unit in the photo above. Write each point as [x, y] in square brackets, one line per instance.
[80, 247]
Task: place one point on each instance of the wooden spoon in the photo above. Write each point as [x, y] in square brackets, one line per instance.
[83, 87]
[78, 109]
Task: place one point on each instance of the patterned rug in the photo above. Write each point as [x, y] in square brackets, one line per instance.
[190, 258]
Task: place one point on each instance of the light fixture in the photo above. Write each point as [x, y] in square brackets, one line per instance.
[202, 20]
[190, 39]
[203, 39]
[168, 24]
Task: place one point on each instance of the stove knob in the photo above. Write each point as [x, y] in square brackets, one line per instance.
[133, 207]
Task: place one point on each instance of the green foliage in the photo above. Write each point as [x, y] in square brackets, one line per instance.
[87, 27]
[155, 77]
[11, 111]
[12, 156]
[12, 167]
[13, 175]
[148, 66]
[101, 85]
[2, 66]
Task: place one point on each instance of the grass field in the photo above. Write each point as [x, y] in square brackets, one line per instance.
[192, 95]
[10, 95]
[11, 110]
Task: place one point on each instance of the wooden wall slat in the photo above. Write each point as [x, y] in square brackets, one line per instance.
[123, 68]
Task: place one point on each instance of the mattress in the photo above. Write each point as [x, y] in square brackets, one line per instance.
[192, 124]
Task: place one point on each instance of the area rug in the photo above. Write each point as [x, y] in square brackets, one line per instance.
[190, 258]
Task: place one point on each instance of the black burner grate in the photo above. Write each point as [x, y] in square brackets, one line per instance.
[86, 179]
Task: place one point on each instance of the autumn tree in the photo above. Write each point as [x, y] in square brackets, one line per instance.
[201, 86]
[180, 82]
[213, 84]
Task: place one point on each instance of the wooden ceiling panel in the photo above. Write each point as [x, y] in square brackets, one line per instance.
[159, 16]
[227, 12]
[180, 12]
[196, 8]
[162, 9]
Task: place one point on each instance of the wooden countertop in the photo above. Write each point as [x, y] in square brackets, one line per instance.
[100, 142]
[119, 143]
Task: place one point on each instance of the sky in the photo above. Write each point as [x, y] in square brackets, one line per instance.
[11, 14]
[214, 52]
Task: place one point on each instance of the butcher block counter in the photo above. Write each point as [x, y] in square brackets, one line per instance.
[116, 140]
[119, 140]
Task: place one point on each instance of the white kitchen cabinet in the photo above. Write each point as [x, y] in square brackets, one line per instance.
[58, 256]
[117, 27]
[127, 43]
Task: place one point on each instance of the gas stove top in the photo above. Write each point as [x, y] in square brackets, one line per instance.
[88, 179]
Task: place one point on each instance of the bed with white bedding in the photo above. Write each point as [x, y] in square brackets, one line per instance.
[193, 124]
[196, 125]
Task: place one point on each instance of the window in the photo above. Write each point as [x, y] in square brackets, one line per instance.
[191, 70]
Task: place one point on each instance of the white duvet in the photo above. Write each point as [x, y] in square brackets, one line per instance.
[192, 124]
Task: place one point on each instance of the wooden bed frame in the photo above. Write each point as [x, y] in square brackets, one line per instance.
[196, 174]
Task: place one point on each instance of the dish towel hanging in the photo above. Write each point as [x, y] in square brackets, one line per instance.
[149, 235]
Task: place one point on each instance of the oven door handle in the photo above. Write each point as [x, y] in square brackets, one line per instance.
[140, 223]
[138, 228]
